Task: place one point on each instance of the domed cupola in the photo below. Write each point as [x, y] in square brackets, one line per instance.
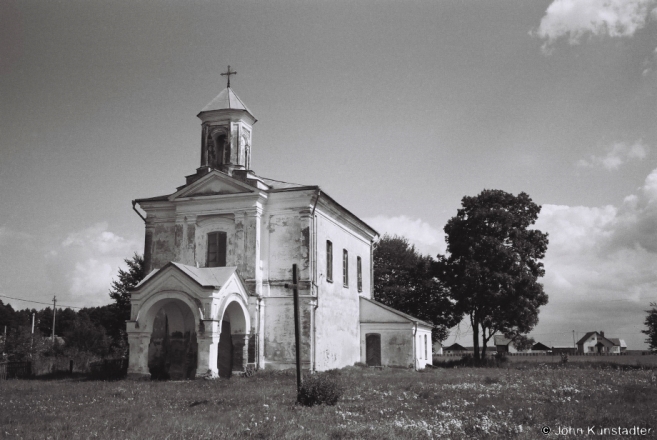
[227, 126]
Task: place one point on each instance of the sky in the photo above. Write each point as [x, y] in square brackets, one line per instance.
[397, 109]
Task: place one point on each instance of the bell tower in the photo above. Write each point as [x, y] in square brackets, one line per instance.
[226, 127]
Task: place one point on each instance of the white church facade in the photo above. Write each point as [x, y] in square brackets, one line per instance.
[218, 253]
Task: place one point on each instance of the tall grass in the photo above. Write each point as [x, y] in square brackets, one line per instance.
[460, 403]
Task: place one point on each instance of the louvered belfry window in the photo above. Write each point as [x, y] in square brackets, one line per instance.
[216, 249]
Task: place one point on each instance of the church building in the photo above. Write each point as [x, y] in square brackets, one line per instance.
[219, 252]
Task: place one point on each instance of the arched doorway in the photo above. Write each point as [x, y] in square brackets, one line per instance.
[173, 349]
[232, 354]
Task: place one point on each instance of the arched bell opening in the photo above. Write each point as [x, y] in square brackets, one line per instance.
[173, 348]
[232, 354]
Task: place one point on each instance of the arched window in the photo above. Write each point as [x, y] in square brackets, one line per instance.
[220, 144]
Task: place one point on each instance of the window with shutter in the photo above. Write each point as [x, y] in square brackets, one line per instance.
[216, 249]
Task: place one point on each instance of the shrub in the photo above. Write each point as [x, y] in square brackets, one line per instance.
[319, 389]
[501, 357]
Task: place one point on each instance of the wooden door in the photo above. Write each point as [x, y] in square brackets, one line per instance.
[373, 350]
[225, 352]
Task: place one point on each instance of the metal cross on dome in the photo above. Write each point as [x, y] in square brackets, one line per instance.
[228, 73]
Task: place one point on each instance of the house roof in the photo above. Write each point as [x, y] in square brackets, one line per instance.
[397, 312]
[213, 277]
[455, 346]
[501, 340]
[618, 342]
[589, 334]
[540, 346]
[226, 100]
[586, 337]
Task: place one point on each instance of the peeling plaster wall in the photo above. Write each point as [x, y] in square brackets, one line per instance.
[396, 343]
[164, 249]
[279, 337]
[214, 223]
[288, 244]
[337, 317]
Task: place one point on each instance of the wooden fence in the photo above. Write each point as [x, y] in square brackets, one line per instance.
[15, 370]
[555, 353]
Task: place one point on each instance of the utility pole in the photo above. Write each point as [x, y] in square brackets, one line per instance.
[574, 343]
[54, 312]
[32, 337]
[297, 328]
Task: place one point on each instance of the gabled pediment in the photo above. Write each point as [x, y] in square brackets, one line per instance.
[212, 184]
[198, 282]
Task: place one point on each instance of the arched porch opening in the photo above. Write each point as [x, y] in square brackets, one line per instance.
[232, 354]
[173, 348]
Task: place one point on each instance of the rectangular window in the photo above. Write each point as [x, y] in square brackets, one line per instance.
[359, 273]
[345, 268]
[329, 261]
[426, 354]
[216, 249]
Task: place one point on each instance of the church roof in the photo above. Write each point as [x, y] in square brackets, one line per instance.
[226, 100]
[203, 276]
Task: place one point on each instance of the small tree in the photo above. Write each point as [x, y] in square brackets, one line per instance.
[403, 280]
[493, 264]
[651, 323]
[120, 293]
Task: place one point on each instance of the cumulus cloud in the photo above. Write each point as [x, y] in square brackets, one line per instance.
[575, 19]
[601, 264]
[426, 238]
[83, 264]
[618, 154]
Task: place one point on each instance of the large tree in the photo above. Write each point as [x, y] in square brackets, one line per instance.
[403, 279]
[493, 265]
[651, 323]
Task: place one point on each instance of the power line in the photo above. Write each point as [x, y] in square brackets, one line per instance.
[38, 302]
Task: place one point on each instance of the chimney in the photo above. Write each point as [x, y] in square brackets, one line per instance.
[602, 334]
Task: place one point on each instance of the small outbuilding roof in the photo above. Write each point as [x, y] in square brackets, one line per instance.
[396, 312]
[454, 347]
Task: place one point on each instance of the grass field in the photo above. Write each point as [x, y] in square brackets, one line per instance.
[511, 402]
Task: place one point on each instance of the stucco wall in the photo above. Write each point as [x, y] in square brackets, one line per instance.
[396, 343]
[423, 348]
[279, 349]
[337, 318]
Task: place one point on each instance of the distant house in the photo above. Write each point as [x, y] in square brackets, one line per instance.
[455, 348]
[619, 345]
[539, 347]
[503, 344]
[597, 343]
